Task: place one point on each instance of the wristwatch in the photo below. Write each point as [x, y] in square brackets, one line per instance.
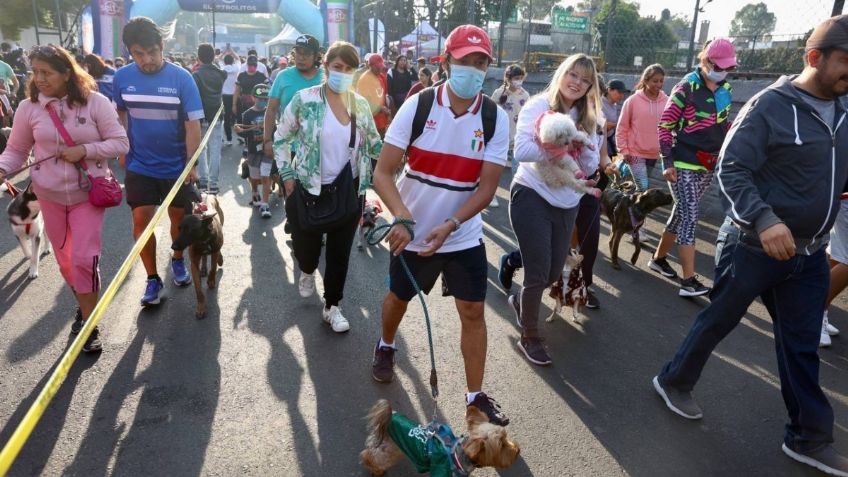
[456, 223]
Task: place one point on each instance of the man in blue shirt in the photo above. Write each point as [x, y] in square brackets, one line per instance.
[160, 106]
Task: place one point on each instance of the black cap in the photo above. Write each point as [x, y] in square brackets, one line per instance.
[251, 60]
[617, 85]
[831, 33]
[261, 90]
[309, 42]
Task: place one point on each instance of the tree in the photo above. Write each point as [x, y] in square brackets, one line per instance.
[17, 15]
[752, 22]
[632, 35]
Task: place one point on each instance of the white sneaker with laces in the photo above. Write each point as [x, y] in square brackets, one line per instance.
[494, 202]
[334, 317]
[831, 330]
[306, 284]
[824, 338]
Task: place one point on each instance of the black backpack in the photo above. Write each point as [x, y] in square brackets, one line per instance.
[425, 103]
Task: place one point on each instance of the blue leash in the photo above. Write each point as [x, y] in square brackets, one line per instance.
[374, 237]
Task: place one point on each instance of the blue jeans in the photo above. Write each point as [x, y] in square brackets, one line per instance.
[209, 161]
[794, 292]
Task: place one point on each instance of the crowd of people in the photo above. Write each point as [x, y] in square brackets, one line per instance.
[433, 146]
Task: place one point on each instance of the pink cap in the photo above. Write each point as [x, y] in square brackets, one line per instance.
[467, 39]
[376, 59]
[722, 53]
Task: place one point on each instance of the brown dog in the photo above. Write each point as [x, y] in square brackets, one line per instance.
[203, 233]
[626, 213]
[442, 453]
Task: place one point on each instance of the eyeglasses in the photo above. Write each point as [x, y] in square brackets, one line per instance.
[720, 70]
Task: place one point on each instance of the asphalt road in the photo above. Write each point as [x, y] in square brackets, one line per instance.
[263, 387]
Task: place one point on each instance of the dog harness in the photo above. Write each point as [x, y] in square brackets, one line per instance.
[433, 448]
[27, 227]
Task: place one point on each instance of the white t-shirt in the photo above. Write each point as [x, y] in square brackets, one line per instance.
[527, 151]
[260, 67]
[335, 151]
[230, 83]
[444, 166]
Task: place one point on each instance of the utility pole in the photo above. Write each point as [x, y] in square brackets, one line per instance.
[440, 30]
[610, 28]
[471, 7]
[691, 53]
[837, 8]
[529, 31]
[214, 33]
[504, 5]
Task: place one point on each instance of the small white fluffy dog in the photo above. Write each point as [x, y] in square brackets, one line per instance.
[562, 170]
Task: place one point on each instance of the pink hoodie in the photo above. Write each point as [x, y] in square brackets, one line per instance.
[636, 131]
[95, 126]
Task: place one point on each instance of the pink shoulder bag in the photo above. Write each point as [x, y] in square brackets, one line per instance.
[104, 191]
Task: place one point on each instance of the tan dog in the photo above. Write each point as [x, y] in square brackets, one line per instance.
[442, 453]
[203, 233]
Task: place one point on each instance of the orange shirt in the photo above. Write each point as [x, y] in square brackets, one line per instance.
[373, 88]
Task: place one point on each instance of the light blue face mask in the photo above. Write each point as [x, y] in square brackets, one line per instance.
[261, 103]
[466, 81]
[339, 82]
[716, 76]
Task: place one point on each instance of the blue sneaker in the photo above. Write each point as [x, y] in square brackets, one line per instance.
[153, 292]
[181, 275]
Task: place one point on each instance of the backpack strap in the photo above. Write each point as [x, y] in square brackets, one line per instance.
[422, 111]
[490, 118]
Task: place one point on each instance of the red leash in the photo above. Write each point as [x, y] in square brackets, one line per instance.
[14, 191]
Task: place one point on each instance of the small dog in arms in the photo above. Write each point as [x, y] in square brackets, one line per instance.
[202, 232]
[560, 169]
[27, 224]
[434, 448]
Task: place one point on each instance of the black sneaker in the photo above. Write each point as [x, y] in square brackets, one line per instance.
[661, 266]
[692, 287]
[77, 325]
[825, 459]
[92, 344]
[515, 303]
[591, 300]
[534, 351]
[490, 408]
[506, 272]
[382, 368]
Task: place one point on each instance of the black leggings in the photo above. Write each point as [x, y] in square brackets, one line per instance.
[229, 117]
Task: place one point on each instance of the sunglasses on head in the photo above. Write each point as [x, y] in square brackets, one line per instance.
[721, 70]
[46, 50]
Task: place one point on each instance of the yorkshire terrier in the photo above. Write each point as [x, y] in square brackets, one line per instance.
[557, 130]
[434, 448]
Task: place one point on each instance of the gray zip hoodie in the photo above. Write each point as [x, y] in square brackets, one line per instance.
[781, 162]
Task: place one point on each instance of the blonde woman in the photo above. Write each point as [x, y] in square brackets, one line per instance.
[543, 216]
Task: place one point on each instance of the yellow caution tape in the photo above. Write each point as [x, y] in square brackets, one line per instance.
[22, 432]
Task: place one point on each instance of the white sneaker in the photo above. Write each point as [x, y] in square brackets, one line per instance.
[643, 235]
[831, 330]
[306, 284]
[824, 338]
[334, 317]
[494, 202]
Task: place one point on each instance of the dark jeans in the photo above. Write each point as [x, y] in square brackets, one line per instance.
[588, 226]
[307, 252]
[229, 117]
[794, 292]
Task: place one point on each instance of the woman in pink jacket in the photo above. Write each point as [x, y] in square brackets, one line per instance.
[73, 225]
[636, 132]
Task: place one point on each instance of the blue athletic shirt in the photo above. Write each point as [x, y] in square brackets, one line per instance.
[157, 106]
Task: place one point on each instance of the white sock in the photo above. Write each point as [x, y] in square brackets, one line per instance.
[387, 345]
[469, 397]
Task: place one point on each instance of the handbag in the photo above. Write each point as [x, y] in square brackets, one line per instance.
[337, 203]
[103, 191]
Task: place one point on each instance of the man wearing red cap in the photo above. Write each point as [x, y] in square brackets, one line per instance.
[451, 175]
[372, 86]
[781, 172]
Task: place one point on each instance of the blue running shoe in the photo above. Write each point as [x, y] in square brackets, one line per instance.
[153, 292]
[181, 275]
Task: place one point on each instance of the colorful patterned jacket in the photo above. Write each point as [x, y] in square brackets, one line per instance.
[695, 119]
[302, 121]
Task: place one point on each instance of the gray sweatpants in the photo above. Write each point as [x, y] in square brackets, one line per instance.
[544, 238]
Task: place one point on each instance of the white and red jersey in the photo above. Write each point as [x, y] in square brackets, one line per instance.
[444, 166]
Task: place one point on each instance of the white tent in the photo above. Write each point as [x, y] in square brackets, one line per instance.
[424, 31]
[286, 37]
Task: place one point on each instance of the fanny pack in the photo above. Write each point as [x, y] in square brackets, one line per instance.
[706, 159]
[102, 191]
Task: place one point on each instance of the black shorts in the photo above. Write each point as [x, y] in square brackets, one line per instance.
[464, 272]
[145, 190]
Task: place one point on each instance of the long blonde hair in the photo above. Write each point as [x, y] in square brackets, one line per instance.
[589, 106]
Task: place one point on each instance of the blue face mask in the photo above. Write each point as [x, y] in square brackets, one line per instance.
[261, 104]
[339, 82]
[466, 81]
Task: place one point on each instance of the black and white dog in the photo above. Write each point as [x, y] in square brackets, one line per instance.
[27, 224]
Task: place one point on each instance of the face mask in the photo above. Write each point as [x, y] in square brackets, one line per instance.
[339, 82]
[716, 76]
[251, 68]
[261, 104]
[517, 83]
[466, 81]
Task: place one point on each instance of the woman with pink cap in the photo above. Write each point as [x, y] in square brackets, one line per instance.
[691, 130]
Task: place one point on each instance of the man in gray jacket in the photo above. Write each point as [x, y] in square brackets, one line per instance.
[782, 170]
[210, 81]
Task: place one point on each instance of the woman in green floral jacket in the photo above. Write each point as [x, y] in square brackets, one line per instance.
[319, 120]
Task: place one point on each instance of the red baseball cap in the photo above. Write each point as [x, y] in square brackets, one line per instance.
[467, 39]
[376, 60]
[722, 53]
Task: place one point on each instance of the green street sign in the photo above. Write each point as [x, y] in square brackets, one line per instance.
[571, 21]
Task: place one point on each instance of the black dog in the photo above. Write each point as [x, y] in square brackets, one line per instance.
[626, 213]
[203, 233]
